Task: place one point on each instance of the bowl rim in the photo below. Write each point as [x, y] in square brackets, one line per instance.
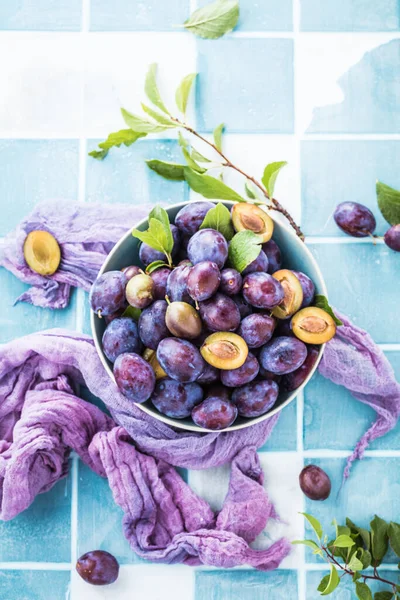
[176, 422]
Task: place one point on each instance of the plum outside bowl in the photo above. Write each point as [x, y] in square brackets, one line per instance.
[295, 255]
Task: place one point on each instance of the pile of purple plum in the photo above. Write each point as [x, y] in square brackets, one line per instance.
[207, 341]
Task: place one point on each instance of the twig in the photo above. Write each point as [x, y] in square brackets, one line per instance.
[375, 576]
[276, 205]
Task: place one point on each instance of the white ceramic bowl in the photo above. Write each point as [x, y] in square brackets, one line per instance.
[295, 255]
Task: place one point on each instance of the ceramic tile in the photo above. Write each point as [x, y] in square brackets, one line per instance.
[334, 419]
[116, 66]
[50, 171]
[365, 272]
[243, 102]
[147, 582]
[352, 168]
[42, 97]
[262, 15]
[34, 585]
[137, 15]
[45, 15]
[348, 84]
[41, 533]
[373, 487]
[24, 318]
[99, 518]
[284, 434]
[123, 175]
[246, 585]
[349, 15]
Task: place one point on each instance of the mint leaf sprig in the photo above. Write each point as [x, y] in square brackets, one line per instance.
[356, 552]
[196, 175]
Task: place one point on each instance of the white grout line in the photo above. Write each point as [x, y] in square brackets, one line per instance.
[324, 567]
[34, 566]
[389, 347]
[17, 134]
[325, 453]
[85, 16]
[261, 34]
[341, 240]
[301, 572]
[332, 137]
[80, 293]
[74, 509]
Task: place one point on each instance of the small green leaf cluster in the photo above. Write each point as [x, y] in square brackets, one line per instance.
[157, 236]
[357, 552]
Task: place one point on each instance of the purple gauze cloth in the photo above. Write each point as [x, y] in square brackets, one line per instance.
[42, 418]
[85, 233]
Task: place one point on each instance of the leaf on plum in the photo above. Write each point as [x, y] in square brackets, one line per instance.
[219, 218]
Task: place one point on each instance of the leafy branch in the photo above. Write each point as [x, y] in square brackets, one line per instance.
[353, 551]
[195, 171]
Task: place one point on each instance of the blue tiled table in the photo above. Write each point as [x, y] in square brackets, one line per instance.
[314, 82]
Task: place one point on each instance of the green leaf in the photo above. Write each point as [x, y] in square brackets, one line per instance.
[197, 156]
[159, 213]
[315, 524]
[249, 192]
[124, 136]
[183, 91]
[217, 134]
[214, 20]
[363, 533]
[365, 557]
[310, 543]
[166, 169]
[383, 595]
[142, 125]
[98, 154]
[271, 172]
[379, 538]
[388, 202]
[331, 583]
[157, 264]
[182, 141]
[191, 163]
[245, 246]
[323, 583]
[342, 530]
[356, 576]
[132, 312]
[394, 537]
[219, 218]
[151, 88]
[321, 301]
[362, 591]
[343, 541]
[156, 236]
[209, 187]
[158, 116]
[355, 564]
